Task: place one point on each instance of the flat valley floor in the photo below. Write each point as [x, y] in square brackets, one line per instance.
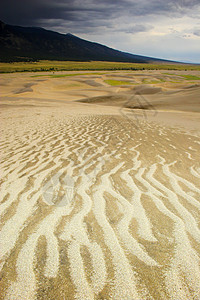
[100, 185]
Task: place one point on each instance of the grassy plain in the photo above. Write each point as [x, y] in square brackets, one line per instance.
[45, 65]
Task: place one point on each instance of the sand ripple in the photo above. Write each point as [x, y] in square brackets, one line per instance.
[92, 208]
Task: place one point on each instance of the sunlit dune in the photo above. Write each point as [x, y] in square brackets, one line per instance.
[100, 186]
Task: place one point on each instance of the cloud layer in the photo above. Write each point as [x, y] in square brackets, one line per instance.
[167, 29]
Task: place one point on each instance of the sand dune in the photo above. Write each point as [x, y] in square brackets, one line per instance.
[98, 202]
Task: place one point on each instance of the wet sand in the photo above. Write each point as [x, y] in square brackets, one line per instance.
[100, 186]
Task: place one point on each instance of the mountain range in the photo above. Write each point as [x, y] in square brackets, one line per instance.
[19, 43]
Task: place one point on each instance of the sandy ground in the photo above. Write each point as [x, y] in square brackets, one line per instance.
[100, 186]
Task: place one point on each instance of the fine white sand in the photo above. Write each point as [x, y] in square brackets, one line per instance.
[100, 199]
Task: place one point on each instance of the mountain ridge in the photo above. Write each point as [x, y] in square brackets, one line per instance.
[18, 43]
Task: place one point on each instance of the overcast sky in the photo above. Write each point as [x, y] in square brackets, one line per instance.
[159, 28]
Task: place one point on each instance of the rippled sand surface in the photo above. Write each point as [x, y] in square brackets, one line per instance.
[97, 202]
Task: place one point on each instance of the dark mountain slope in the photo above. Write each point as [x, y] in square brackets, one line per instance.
[33, 43]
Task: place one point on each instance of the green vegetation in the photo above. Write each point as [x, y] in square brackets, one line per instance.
[66, 75]
[190, 77]
[147, 81]
[186, 76]
[118, 82]
[46, 65]
[170, 74]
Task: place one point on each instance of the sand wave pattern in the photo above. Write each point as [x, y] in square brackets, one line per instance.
[126, 226]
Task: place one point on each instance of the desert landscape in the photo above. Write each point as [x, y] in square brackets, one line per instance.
[100, 185]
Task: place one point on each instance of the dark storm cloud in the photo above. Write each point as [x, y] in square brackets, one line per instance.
[136, 28]
[197, 32]
[29, 12]
[160, 28]
[87, 13]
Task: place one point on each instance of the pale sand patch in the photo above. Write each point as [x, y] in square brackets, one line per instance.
[131, 229]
